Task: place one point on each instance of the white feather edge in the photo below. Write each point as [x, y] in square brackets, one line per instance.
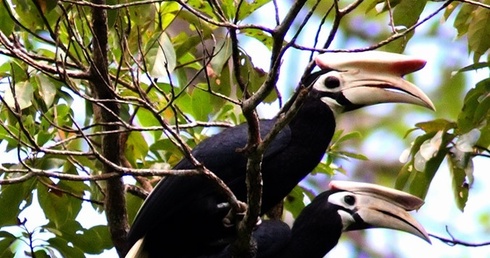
[136, 250]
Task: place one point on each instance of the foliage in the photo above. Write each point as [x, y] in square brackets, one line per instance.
[177, 72]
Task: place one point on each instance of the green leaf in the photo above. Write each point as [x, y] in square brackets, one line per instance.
[406, 14]
[482, 112]
[60, 114]
[462, 21]
[248, 7]
[136, 148]
[436, 125]
[479, 33]
[185, 42]
[450, 9]
[13, 196]
[143, 17]
[42, 253]
[6, 240]
[229, 8]
[98, 239]
[14, 68]
[221, 55]
[53, 201]
[172, 153]
[162, 57]
[328, 167]
[420, 185]
[475, 107]
[65, 248]
[44, 136]
[47, 89]
[347, 154]
[196, 104]
[203, 6]
[407, 172]
[22, 95]
[28, 14]
[91, 241]
[261, 36]
[373, 3]
[474, 66]
[294, 202]
[253, 76]
[459, 163]
[6, 23]
[133, 204]
[147, 119]
[345, 137]
[485, 136]
[167, 13]
[427, 153]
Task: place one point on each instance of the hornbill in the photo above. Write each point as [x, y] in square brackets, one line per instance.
[346, 206]
[189, 211]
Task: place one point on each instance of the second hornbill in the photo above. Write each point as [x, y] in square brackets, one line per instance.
[184, 212]
[346, 206]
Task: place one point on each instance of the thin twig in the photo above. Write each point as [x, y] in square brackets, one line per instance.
[453, 241]
[480, 4]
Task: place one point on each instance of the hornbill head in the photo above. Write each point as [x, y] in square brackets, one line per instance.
[362, 206]
[349, 81]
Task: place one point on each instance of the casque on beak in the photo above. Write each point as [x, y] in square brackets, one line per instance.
[376, 77]
[382, 207]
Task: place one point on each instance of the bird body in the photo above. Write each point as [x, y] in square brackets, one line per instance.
[195, 208]
[344, 207]
[189, 211]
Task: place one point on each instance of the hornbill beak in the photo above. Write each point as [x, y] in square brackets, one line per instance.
[374, 77]
[381, 207]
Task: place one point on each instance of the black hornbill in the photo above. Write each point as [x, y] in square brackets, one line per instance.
[346, 206]
[184, 212]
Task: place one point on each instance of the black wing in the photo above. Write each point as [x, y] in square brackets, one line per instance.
[271, 237]
[185, 208]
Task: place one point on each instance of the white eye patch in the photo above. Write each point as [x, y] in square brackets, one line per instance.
[329, 82]
[347, 202]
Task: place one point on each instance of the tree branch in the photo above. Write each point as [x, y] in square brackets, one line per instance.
[115, 203]
[453, 241]
[483, 5]
[383, 42]
[244, 246]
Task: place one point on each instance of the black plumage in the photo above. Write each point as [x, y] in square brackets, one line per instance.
[187, 211]
[197, 221]
[346, 206]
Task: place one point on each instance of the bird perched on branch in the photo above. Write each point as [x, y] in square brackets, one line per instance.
[184, 212]
[346, 206]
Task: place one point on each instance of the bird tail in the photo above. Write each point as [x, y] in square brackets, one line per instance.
[137, 251]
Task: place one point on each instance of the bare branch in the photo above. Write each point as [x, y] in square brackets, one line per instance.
[453, 241]
[477, 3]
[137, 191]
[110, 6]
[13, 51]
[30, 172]
[383, 42]
[58, 189]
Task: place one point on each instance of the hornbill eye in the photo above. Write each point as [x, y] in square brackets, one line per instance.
[350, 200]
[332, 82]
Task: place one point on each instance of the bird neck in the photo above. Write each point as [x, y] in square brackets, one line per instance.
[314, 121]
[316, 230]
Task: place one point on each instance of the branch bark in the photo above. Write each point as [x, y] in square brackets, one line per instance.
[244, 246]
[112, 147]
